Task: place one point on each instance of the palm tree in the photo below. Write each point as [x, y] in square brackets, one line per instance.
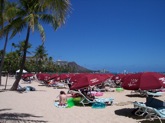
[11, 58]
[50, 65]
[40, 55]
[8, 14]
[31, 13]
[20, 46]
[1, 13]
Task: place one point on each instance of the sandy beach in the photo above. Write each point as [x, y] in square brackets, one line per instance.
[38, 106]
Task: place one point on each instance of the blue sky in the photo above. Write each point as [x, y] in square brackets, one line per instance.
[115, 35]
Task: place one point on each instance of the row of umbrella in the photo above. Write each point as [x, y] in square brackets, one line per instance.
[143, 80]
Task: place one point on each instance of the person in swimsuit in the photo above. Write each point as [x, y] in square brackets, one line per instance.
[62, 98]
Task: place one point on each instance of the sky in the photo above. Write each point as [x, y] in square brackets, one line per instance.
[115, 35]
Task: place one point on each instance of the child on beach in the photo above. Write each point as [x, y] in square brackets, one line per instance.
[62, 98]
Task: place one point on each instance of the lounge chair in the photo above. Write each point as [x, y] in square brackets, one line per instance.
[155, 113]
[154, 94]
[59, 85]
[85, 100]
[147, 93]
[150, 113]
[141, 108]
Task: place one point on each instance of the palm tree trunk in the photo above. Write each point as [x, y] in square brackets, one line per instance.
[1, 12]
[18, 78]
[1, 25]
[3, 57]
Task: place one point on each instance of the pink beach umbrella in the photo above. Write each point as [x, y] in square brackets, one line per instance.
[144, 81]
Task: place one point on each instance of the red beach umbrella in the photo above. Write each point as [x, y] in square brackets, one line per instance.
[87, 80]
[116, 77]
[122, 75]
[64, 76]
[54, 76]
[43, 76]
[27, 75]
[144, 81]
[77, 76]
[108, 75]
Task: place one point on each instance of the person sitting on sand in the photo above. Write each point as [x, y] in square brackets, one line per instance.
[62, 98]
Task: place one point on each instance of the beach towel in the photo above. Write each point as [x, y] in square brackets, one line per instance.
[58, 106]
[104, 100]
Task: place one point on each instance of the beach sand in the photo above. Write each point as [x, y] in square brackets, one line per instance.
[38, 106]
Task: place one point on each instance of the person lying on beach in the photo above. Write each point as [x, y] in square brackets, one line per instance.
[108, 89]
[88, 94]
[73, 94]
[26, 88]
[62, 98]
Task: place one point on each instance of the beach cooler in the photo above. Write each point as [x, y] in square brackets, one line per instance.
[98, 105]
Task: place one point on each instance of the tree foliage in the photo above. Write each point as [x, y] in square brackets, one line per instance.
[30, 16]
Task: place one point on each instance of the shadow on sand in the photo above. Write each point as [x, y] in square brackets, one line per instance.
[135, 95]
[6, 109]
[1, 90]
[148, 121]
[4, 90]
[129, 112]
[18, 117]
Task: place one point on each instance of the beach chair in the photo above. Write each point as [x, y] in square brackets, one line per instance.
[147, 93]
[150, 113]
[140, 92]
[141, 108]
[59, 85]
[154, 94]
[155, 113]
[86, 101]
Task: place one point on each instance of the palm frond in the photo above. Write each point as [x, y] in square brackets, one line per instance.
[42, 32]
[31, 21]
[61, 8]
[46, 18]
[58, 8]
[10, 11]
[16, 26]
